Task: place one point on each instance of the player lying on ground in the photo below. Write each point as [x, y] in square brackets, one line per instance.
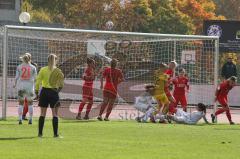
[161, 83]
[25, 77]
[221, 96]
[87, 89]
[114, 77]
[181, 85]
[25, 107]
[183, 117]
[51, 79]
[145, 102]
[153, 114]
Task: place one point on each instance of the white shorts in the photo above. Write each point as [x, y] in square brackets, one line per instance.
[22, 94]
[25, 85]
[25, 90]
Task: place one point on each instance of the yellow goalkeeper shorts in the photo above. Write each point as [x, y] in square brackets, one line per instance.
[162, 98]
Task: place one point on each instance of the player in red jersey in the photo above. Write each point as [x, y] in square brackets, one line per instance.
[113, 77]
[181, 84]
[221, 96]
[170, 72]
[171, 69]
[87, 89]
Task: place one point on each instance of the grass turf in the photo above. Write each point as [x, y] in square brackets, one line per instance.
[119, 140]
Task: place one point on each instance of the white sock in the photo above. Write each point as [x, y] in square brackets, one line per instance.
[20, 112]
[30, 110]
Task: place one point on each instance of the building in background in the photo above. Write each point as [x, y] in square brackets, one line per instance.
[9, 11]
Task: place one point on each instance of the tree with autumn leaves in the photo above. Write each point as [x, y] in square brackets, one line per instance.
[229, 8]
[159, 16]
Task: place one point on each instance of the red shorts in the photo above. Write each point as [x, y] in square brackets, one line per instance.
[109, 94]
[223, 100]
[180, 99]
[87, 92]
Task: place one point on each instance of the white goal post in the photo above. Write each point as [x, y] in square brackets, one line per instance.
[139, 55]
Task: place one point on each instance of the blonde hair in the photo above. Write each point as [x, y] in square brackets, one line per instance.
[29, 55]
[25, 58]
[52, 61]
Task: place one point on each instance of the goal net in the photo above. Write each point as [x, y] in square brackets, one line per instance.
[139, 54]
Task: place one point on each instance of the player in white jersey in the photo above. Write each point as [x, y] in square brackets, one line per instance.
[183, 117]
[25, 105]
[145, 103]
[24, 81]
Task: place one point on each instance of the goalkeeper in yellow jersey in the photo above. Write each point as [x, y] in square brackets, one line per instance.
[161, 83]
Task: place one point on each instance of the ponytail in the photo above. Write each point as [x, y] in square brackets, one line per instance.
[25, 59]
[52, 61]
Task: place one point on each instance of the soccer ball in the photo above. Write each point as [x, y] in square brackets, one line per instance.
[24, 17]
[109, 25]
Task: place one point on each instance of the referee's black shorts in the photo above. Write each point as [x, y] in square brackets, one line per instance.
[48, 96]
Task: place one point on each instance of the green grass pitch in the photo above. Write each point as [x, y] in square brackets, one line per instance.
[119, 140]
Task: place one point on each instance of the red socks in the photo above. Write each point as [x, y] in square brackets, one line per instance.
[103, 107]
[81, 106]
[109, 110]
[89, 107]
[229, 115]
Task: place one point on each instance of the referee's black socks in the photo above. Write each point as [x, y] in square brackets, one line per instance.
[55, 125]
[41, 124]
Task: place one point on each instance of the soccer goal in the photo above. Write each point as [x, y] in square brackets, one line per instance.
[139, 54]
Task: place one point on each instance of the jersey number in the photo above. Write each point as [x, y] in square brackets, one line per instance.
[26, 73]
